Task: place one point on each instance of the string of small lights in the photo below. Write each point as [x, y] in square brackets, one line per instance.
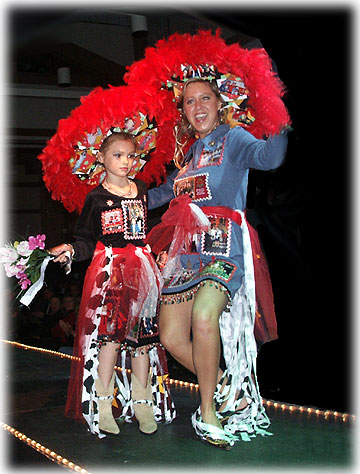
[327, 414]
[57, 458]
[40, 349]
[292, 408]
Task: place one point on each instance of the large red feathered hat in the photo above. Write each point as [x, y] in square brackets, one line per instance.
[146, 107]
[240, 73]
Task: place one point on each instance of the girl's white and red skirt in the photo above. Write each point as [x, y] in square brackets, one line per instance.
[119, 304]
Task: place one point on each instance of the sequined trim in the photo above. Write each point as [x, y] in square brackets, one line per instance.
[124, 346]
[218, 268]
[189, 294]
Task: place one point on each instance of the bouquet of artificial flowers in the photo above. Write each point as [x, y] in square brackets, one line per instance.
[26, 261]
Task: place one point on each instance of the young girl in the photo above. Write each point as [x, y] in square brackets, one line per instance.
[119, 300]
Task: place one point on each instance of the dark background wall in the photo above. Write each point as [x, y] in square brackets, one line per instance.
[305, 208]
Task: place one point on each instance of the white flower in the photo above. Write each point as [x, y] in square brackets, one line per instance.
[8, 255]
[10, 270]
[22, 262]
[23, 248]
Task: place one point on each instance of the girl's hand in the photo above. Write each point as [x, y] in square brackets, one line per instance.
[60, 252]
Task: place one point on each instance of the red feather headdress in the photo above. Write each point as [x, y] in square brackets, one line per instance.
[69, 173]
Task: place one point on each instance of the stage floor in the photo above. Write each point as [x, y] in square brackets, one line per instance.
[36, 390]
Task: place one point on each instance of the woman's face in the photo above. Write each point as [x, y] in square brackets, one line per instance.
[201, 107]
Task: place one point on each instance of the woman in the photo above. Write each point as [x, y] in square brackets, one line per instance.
[209, 278]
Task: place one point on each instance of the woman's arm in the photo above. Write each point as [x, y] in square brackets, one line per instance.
[246, 151]
[162, 194]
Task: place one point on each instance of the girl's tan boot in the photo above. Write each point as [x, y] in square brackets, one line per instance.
[143, 405]
[107, 421]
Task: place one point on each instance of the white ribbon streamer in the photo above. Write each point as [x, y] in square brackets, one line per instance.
[30, 294]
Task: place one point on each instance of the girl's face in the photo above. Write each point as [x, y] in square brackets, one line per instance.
[201, 107]
[118, 158]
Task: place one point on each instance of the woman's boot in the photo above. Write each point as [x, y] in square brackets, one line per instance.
[143, 405]
[107, 421]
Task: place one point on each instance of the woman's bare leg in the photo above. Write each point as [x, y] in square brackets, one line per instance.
[203, 352]
[208, 305]
[175, 327]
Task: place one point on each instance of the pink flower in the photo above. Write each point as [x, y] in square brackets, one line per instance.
[21, 275]
[24, 280]
[37, 242]
[25, 283]
[20, 270]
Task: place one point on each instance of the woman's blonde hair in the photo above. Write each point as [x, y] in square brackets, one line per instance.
[183, 130]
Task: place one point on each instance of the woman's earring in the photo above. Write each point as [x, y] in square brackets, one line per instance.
[222, 114]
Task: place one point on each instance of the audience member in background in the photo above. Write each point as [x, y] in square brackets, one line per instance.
[64, 330]
[40, 324]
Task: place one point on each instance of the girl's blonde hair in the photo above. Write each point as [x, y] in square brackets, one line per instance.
[124, 136]
[183, 130]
